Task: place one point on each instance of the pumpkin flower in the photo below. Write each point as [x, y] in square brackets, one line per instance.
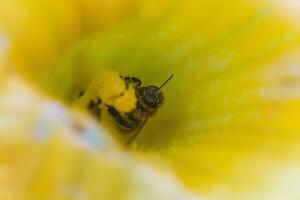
[229, 124]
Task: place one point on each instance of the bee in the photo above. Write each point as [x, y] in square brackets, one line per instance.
[132, 106]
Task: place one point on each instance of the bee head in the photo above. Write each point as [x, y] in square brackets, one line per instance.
[151, 96]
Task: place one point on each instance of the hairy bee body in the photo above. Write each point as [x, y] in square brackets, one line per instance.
[134, 119]
[148, 101]
[144, 102]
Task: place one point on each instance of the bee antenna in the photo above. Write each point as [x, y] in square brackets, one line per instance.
[165, 83]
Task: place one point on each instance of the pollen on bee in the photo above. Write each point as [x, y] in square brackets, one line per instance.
[127, 102]
[112, 90]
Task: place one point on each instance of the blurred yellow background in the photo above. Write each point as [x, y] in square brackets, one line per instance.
[229, 126]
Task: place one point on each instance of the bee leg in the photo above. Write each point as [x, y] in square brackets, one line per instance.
[94, 107]
[136, 133]
[122, 120]
[135, 82]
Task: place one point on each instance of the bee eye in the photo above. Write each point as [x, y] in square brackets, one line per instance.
[151, 101]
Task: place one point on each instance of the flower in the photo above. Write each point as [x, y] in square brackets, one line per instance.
[229, 125]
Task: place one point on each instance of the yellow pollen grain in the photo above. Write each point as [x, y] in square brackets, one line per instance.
[111, 89]
[127, 102]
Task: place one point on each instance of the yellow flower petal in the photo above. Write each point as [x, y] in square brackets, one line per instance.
[229, 126]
